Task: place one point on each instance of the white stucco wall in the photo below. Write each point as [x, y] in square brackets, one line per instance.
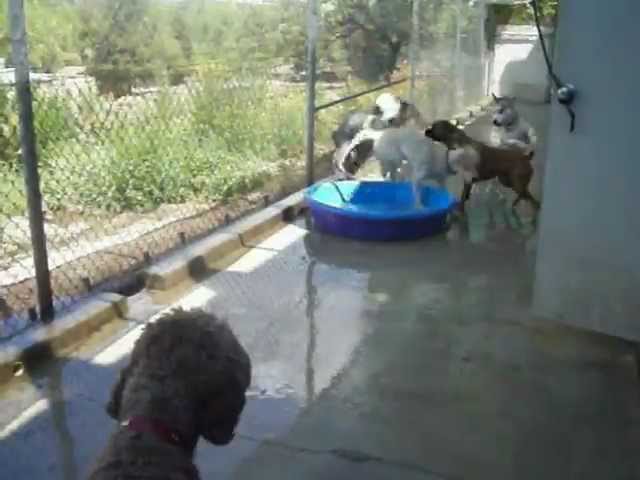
[518, 66]
[588, 262]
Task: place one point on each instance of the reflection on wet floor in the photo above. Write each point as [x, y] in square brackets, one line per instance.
[63, 439]
[406, 360]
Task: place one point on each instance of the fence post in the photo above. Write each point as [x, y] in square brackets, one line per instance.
[20, 57]
[414, 47]
[310, 123]
[459, 70]
[483, 46]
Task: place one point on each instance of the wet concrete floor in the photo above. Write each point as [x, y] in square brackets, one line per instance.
[400, 361]
[396, 361]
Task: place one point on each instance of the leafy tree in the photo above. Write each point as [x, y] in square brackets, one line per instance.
[5, 40]
[214, 29]
[44, 17]
[523, 14]
[374, 33]
[180, 31]
[117, 34]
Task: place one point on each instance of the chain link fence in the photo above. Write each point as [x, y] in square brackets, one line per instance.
[140, 156]
[438, 46]
[450, 66]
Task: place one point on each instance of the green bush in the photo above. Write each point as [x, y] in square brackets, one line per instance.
[210, 141]
[145, 172]
[54, 119]
[177, 148]
[12, 193]
[249, 116]
[47, 57]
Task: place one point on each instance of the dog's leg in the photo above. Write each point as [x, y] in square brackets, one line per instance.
[466, 193]
[525, 195]
[532, 200]
[520, 184]
[417, 197]
[516, 201]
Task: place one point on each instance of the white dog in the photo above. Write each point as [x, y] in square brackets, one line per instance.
[425, 160]
[394, 111]
[388, 111]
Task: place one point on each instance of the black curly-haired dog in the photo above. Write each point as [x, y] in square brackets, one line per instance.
[187, 378]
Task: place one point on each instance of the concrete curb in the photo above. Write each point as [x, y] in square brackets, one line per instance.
[218, 250]
[189, 264]
[60, 335]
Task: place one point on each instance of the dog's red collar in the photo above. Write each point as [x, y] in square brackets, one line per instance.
[163, 432]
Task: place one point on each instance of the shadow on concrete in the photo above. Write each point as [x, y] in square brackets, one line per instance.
[62, 424]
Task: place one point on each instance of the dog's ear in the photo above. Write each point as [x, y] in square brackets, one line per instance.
[495, 98]
[115, 400]
[221, 381]
[224, 405]
[221, 415]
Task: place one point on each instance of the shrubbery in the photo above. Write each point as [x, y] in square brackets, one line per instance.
[205, 143]
[9, 141]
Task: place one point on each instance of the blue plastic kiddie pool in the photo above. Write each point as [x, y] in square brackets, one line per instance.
[377, 210]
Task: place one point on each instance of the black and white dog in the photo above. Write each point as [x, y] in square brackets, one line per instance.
[388, 111]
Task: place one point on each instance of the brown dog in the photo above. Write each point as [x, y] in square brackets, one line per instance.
[512, 167]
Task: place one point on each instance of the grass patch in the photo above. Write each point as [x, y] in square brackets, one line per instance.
[214, 138]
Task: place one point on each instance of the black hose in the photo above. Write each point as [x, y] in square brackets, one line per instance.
[335, 185]
[556, 80]
[543, 44]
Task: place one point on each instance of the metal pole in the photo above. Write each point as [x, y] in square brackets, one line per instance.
[490, 44]
[20, 57]
[459, 71]
[312, 60]
[415, 40]
[324, 106]
[483, 47]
